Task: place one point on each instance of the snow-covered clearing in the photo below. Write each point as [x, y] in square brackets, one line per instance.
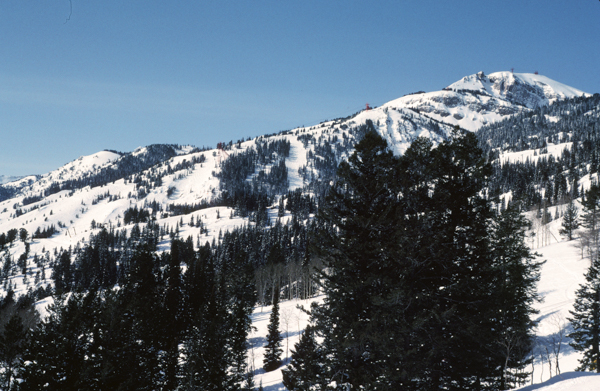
[292, 321]
[570, 381]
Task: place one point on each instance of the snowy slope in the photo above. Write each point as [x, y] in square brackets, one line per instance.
[292, 322]
[470, 103]
[477, 100]
[525, 89]
[571, 381]
[7, 178]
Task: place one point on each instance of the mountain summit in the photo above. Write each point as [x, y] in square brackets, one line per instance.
[477, 100]
[524, 89]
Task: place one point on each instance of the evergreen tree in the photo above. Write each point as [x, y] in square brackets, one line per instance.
[249, 384]
[62, 273]
[410, 258]
[516, 273]
[64, 353]
[570, 221]
[12, 340]
[591, 220]
[173, 321]
[273, 350]
[586, 320]
[134, 334]
[303, 371]
[358, 227]
[205, 346]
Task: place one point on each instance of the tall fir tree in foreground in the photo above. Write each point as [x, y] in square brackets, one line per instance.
[516, 274]
[273, 349]
[585, 319]
[357, 221]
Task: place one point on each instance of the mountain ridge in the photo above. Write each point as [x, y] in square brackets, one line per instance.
[272, 182]
[472, 102]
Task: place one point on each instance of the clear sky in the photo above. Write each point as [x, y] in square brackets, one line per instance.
[82, 76]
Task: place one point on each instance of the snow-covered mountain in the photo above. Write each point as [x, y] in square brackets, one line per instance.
[95, 191]
[477, 100]
[470, 103]
[8, 178]
[100, 187]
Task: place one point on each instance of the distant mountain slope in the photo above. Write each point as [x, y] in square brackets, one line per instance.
[94, 170]
[203, 194]
[252, 175]
[477, 100]
[7, 178]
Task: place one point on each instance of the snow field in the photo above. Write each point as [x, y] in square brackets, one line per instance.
[292, 322]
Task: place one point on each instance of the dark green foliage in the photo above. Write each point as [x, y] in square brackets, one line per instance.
[585, 319]
[570, 221]
[96, 264]
[303, 371]
[11, 235]
[591, 220]
[12, 340]
[273, 349]
[411, 258]
[17, 318]
[62, 353]
[62, 275]
[46, 233]
[135, 216]
[360, 279]
[135, 337]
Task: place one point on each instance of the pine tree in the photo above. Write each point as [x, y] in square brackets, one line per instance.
[12, 340]
[173, 320]
[357, 243]
[410, 258]
[65, 350]
[303, 371]
[273, 350]
[205, 346]
[570, 221]
[586, 320]
[516, 275]
[591, 220]
[249, 384]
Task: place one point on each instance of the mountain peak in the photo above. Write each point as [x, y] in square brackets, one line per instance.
[524, 89]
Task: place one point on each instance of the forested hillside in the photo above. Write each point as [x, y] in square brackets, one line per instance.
[412, 231]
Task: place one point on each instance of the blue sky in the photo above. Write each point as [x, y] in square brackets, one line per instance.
[122, 74]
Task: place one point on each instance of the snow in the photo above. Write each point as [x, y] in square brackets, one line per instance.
[8, 178]
[533, 155]
[495, 84]
[294, 162]
[570, 381]
[560, 90]
[292, 321]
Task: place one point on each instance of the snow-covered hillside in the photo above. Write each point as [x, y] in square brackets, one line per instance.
[7, 178]
[570, 381]
[95, 191]
[478, 100]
